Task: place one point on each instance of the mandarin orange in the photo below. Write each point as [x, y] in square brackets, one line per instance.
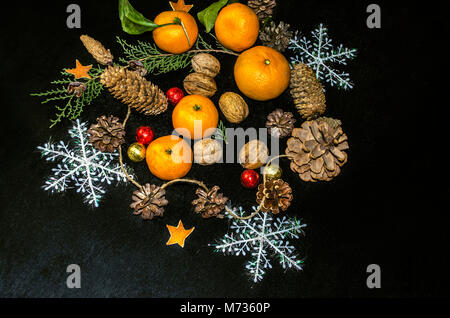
[262, 73]
[237, 27]
[195, 117]
[169, 157]
[171, 38]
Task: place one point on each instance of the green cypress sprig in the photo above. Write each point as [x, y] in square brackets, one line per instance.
[73, 106]
[157, 62]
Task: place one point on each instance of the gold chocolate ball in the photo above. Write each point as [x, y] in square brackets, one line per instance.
[136, 152]
[272, 172]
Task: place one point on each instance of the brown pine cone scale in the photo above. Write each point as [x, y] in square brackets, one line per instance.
[134, 90]
[276, 36]
[210, 203]
[262, 8]
[317, 149]
[97, 50]
[280, 123]
[149, 201]
[307, 92]
[274, 195]
[108, 134]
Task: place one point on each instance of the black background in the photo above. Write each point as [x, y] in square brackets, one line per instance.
[376, 211]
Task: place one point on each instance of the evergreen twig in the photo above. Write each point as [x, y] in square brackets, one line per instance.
[157, 62]
[74, 106]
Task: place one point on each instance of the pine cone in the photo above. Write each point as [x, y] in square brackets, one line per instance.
[307, 92]
[210, 203]
[280, 123]
[76, 88]
[138, 67]
[262, 8]
[276, 36]
[134, 90]
[318, 149]
[277, 195]
[107, 135]
[97, 50]
[149, 201]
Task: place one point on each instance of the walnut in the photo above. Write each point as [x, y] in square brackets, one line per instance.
[205, 63]
[207, 151]
[253, 154]
[234, 107]
[200, 84]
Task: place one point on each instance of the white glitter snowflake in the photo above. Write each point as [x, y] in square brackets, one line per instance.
[320, 54]
[81, 166]
[260, 235]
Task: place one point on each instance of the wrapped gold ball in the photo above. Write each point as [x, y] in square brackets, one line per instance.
[136, 152]
[272, 172]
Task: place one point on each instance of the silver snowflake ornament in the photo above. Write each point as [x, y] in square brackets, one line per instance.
[320, 54]
[262, 236]
[81, 166]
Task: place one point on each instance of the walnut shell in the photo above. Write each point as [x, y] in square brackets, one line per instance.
[207, 151]
[205, 63]
[200, 84]
[253, 154]
[234, 107]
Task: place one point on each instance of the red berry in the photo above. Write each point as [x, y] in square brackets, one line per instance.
[144, 135]
[249, 178]
[174, 95]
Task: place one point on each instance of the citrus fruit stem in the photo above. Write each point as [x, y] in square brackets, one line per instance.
[197, 107]
[267, 62]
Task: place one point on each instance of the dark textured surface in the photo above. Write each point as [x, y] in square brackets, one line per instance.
[366, 215]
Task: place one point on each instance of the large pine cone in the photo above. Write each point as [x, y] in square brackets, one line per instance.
[318, 149]
[97, 50]
[307, 92]
[149, 201]
[262, 8]
[210, 203]
[280, 123]
[134, 90]
[276, 36]
[276, 194]
[107, 135]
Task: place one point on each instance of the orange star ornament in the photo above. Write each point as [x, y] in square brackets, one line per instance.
[80, 70]
[178, 234]
[180, 6]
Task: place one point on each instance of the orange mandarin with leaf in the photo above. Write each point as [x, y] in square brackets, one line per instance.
[173, 38]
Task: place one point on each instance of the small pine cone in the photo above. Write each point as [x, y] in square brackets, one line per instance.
[138, 67]
[276, 36]
[76, 88]
[134, 90]
[149, 201]
[280, 123]
[307, 92]
[107, 135]
[210, 203]
[97, 50]
[276, 194]
[317, 149]
[262, 8]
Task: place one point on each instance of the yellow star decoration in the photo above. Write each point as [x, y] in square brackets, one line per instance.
[180, 6]
[80, 71]
[178, 234]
